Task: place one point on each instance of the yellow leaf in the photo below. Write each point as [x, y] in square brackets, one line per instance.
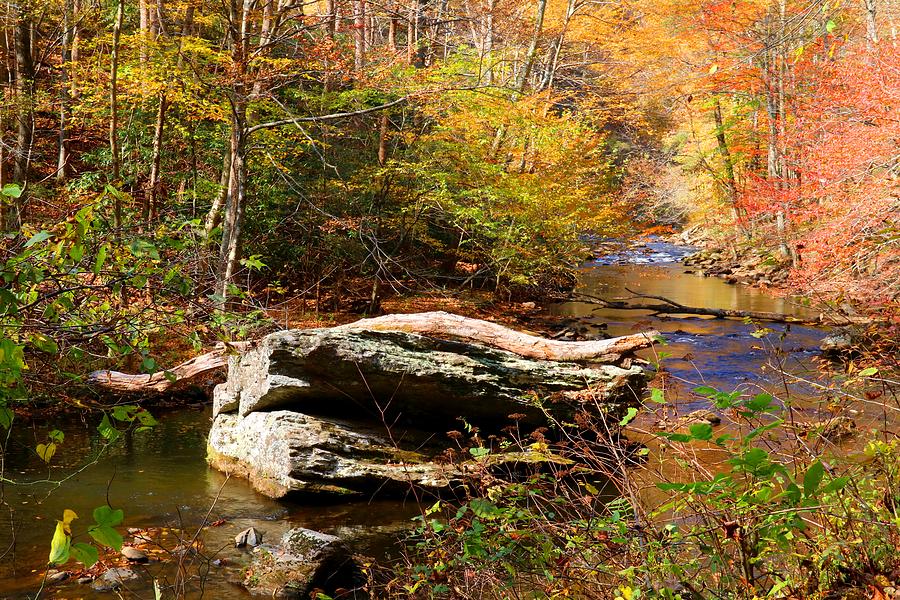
[68, 517]
[46, 451]
[59, 546]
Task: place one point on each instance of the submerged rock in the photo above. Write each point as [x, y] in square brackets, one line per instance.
[305, 561]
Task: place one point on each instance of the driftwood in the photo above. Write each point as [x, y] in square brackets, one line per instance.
[671, 307]
[166, 381]
[442, 324]
[436, 324]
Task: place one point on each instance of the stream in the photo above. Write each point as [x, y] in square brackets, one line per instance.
[161, 480]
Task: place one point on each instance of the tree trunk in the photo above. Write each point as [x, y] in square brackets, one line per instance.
[383, 131]
[230, 248]
[114, 109]
[870, 8]
[24, 116]
[152, 193]
[214, 216]
[431, 324]
[359, 36]
[66, 55]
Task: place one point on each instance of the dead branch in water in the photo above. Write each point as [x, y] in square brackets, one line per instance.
[674, 308]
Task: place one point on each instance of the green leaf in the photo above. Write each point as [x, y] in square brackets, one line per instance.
[44, 343]
[830, 26]
[629, 416]
[485, 508]
[104, 515]
[760, 402]
[6, 417]
[813, 478]
[868, 372]
[705, 390]
[835, 484]
[701, 431]
[57, 436]
[85, 554]
[12, 190]
[107, 430]
[38, 238]
[479, 451]
[100, 260]
[657, 396]
[59, 546]
[106, 536]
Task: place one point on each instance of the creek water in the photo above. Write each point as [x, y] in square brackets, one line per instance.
[161, 480]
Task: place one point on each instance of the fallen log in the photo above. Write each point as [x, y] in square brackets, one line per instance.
[443, 324]
[674, 308]
[169, 380]
[437, 324]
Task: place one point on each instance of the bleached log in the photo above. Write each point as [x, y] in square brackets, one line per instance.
[443, 324]
[166, 381]
[435, 324]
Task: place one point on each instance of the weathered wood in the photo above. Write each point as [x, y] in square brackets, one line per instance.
[442, 324]
[437, 324]
[165, 381]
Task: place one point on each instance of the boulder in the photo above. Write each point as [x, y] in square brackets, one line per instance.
[304, 563]
[285, 452]
[346, 412]
[330, 371]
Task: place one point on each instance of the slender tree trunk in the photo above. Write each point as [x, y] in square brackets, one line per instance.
[152, 194]
[411, 31]
[214, 217]
[728, 162]
[24, 115]
[870, 8]
[383, 138]
[143, 23]
[527, 67]
[114, 109]
[392, 30]
[230, 249]
[359, 36]
[66, 55]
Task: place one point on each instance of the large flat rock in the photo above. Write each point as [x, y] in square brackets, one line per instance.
[285, 452]
[327, 371]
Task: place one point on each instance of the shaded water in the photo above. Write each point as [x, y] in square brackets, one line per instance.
[160, 477]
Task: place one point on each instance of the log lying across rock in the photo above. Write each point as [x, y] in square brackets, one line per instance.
[364, 408]
[438, 324]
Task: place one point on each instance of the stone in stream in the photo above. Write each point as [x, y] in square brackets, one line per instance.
[113, 579]
[132, 554]
[248, 537]
[305, 561]
[305, 411]
[56, 577]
